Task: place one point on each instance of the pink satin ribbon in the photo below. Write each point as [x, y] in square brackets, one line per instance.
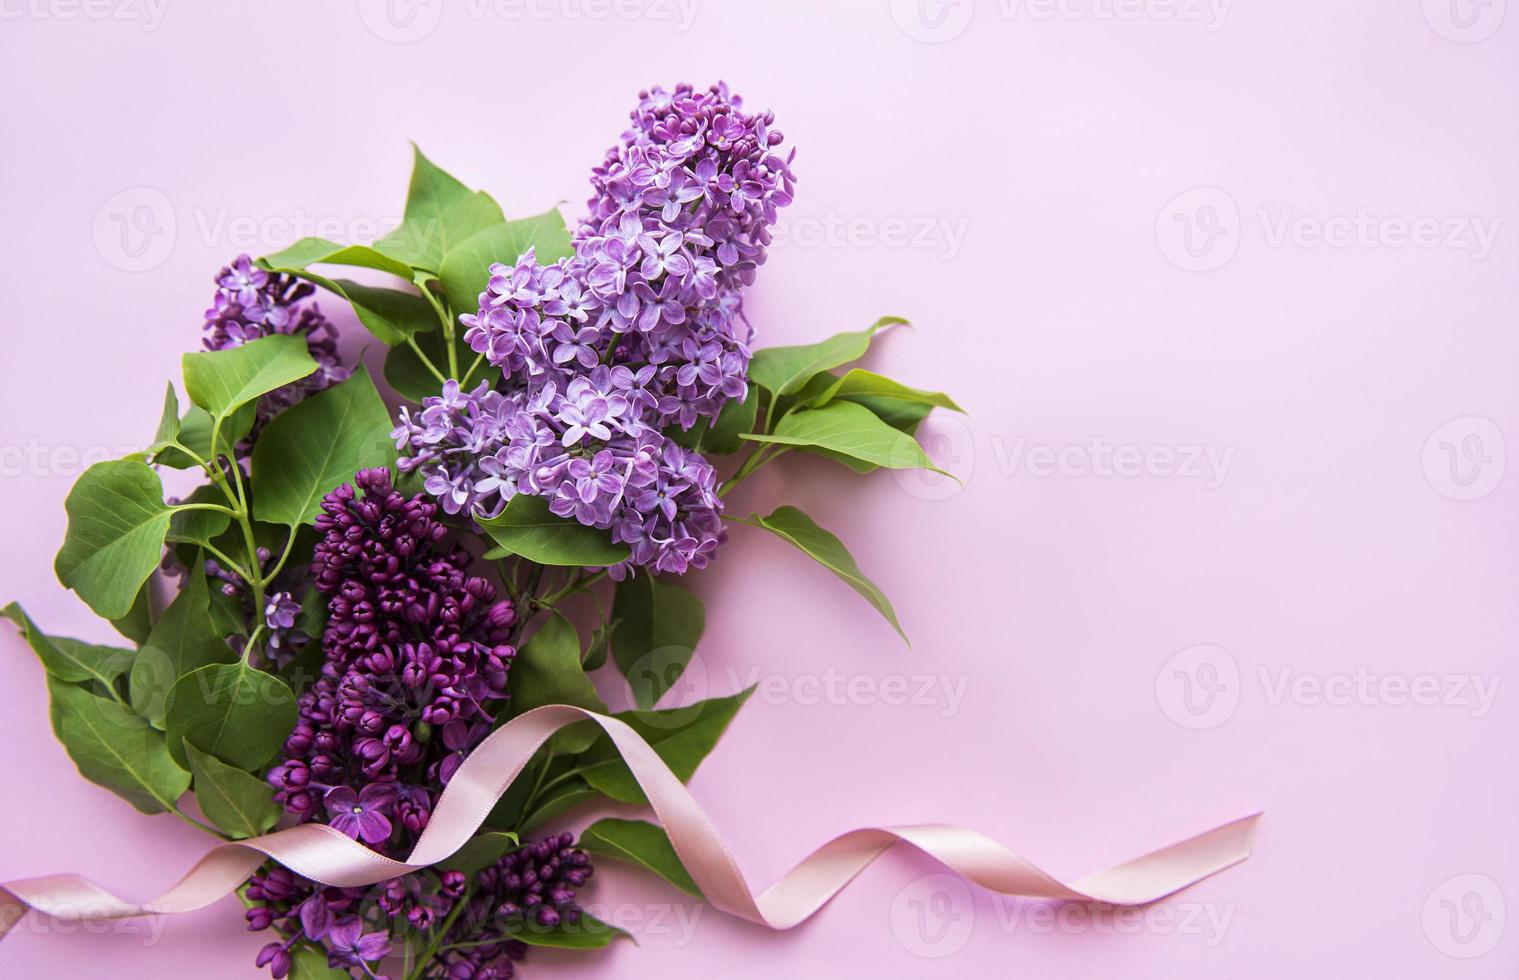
[320, 853]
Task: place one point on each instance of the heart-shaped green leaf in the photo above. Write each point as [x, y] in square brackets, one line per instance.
[237, 713]
[466, 267]
[440, 213]
[223, 381]
[117, 524]
[547, 670]
[317, 444]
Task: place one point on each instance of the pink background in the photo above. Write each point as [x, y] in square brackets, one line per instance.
[1044, 149]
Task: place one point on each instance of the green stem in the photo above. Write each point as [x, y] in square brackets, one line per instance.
[196, 823]
[448, 331]
[464, 381]
[231, 565]
[284, 556]
[432, 947]
[575, 585]
[754, 462]
[218, 508]
[426, 361]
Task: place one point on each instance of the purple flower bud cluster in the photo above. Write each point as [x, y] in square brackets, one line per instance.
[416, 653]
[534, 887]
[251, 303]
[640, 330]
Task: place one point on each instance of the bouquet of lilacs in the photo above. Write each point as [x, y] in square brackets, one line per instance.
[346, 599]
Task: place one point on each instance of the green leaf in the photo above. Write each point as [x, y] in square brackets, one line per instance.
[526, 527]
[307, 962]
[480, 852]
[320, 251]
[596, 651]
[564, 797]
[223, 381]
[681, 736]
[114, 748]
[136, 624]
[588, 932]
[547, 670]
[68, 659]
[238, 714]
[642, 843]
[660, 624]
[117, 524]
[900, 415]
[185, 639]
[195, 435]
[391, 315]
[198, 527]
[168, 422]
[860, 383]
[317, 444]
[784, 370]
[440, 213]
[852, 431]
[828, 551]
[466, 267]
[721, 437]
[240, 804]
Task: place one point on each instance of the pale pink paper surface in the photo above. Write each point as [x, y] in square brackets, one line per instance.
[1058, 317]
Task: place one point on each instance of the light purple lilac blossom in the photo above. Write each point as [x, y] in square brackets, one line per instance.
[639, 330]
[251, 303]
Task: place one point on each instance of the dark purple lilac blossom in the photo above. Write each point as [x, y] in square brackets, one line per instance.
[416, 660]
[532, 888]
[251, 303]
[412, 643]
[641, 329]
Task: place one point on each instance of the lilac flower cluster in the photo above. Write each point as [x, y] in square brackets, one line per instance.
[251, 303]
[416, 657]
[639, 330]
[677, 225]
[531, 888]
[587, 450]
[415, 653]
